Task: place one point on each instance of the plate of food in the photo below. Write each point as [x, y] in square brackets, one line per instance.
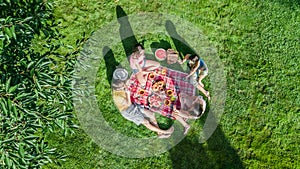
[160, 54]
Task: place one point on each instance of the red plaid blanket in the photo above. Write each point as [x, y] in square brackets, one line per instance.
[173, 80]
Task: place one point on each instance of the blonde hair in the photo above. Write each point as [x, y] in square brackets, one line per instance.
[120, 99]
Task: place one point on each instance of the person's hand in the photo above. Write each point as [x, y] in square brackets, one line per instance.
[180, 62]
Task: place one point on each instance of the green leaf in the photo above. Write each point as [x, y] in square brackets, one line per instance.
[3, 106]
[19, 96]
[21, 151]
[8, 32]
[15, 111]
[7, 162]
[8, 140]
[31, 137]
[27, 19]
[12, 89]
[7, 84]
[12, 30]
[30, 64]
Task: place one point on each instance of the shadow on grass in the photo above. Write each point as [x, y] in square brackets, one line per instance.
[181, 45]
[110, 62]
[292, 4]
[161, 44]
[126, 33]
[216, 152]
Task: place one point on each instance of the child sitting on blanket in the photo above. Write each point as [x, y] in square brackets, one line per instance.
[199, 71]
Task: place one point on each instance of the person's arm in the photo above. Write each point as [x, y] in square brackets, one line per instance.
[194, 70]
[128, 96]
[138, 66]
[184, 59]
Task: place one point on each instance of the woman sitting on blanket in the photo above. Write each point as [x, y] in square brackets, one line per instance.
[133, 112]
[199, 71]
[140, 65]
[155, 101]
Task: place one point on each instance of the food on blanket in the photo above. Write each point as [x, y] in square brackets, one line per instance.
[167, 102]
[160, 54]
[169, 92]
[173, 98]
[142, 92]
[151, 76]
[154, 100]
[155, 87]
[159, 85]
[164, 71]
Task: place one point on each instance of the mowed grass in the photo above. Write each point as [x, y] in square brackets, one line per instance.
[258, 42]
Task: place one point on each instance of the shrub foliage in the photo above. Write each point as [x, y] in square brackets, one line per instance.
[35, 83]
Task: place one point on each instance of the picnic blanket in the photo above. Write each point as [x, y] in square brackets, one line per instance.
[175, 83]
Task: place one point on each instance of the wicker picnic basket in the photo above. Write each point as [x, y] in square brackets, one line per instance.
[172, 56]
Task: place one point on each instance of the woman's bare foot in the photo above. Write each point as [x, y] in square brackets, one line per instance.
[207, 95]
[160, 135]
[166, 134]
[170, 130]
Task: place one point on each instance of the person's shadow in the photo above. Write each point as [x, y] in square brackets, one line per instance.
[126, 33]
[110, 62]
[216, 152]
[181, 45]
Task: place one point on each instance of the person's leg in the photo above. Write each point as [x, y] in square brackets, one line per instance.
[203, 74]
[151, 117]
[153, 121]
[200, 80]
[184, 114]
[151, 127]
[203, 103]
[206, 93]
[184, 123]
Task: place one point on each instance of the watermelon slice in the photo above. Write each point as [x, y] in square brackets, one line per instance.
[160, 54]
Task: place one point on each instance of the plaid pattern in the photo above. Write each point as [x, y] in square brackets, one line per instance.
[173, 81]
[183, 84]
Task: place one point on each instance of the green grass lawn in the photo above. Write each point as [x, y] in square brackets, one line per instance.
[259, 44]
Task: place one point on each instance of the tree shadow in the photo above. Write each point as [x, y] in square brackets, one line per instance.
[181, 45]
[126, 33]
[110, 62]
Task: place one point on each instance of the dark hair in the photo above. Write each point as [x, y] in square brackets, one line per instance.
[135, 48]
[193, 56]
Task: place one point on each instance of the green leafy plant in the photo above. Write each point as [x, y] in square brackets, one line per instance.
[35, 84]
